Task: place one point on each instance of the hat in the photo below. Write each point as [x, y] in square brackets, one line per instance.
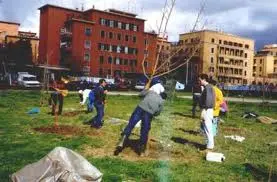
[155, 80]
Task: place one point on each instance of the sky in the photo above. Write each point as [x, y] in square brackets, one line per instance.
[255, 19]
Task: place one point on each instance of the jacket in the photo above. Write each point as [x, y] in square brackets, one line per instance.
[151, 103]
[218, 100]
[100, 95]
[207, 98]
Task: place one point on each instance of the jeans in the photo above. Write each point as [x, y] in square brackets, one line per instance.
[54, 99]
[215, 125]
[89, 107]
[97, 120]
[145, 117]
[195, 102]
[207, 117]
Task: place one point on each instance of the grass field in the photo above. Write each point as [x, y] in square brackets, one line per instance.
[174, 146]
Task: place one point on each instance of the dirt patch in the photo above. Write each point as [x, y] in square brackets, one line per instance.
[72, 113]
[68, 130]
[155, 152]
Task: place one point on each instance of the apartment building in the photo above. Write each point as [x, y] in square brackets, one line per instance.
[227, 57]
[95, 42]
[265, 64]
[8, 28]
[9, 33]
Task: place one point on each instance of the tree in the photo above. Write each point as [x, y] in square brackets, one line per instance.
[20, 53]
[180, 56]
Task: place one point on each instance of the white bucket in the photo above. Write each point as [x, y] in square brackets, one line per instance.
[215, 157]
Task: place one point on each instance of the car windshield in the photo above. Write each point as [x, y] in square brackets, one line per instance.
[29, 79]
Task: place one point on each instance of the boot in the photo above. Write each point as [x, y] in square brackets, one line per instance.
[121, 141]
[141, 150]
[120, 145]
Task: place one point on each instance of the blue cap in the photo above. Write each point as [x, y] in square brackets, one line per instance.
[155, 80]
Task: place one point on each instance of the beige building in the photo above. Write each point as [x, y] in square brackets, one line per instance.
[9, 32]
[265, 64]
[228, 58]
[8, 28]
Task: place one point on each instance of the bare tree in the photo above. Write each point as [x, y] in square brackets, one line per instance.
[165, 65]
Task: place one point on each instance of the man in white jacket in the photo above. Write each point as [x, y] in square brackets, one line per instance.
[85, 94]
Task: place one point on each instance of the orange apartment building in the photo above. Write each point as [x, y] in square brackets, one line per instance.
[9, 32]
[95, 42]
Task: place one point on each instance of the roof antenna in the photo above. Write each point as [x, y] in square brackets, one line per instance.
[82, 8]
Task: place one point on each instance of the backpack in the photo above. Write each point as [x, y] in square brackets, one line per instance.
[91, 96]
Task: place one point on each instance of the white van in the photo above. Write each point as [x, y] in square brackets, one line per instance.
[27, 80]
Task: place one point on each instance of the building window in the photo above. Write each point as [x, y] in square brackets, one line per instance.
[118, 49]
[245, 64]
[117, 61]
[245, 55]
[110, 60]
[135, 28]
[212, 40]
[102, 34]
[212, 50]
[119, 24]
[146, 52]
[220, 41]
[111, 23]
[134, 39]
[125, 61]
[245, 73]
[254, 61]
[126, 50]
[127, 26]
[87, 44]
[212, 60]
[87, 56]
[101, 59]
[261, 61]
[260, 68]
[246, 46]
[275, 61]
[127, 38]
[102, 21]
[110, 35]
[119, 36]
[88, 31]
[145, 42]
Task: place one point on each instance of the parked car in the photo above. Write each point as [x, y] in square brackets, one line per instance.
[27, 80]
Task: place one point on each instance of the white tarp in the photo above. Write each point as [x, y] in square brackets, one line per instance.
[61, 164]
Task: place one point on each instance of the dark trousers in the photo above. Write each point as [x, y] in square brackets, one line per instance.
[89, 107]
[195, 102]
[97, 120]
[54, 99]
[145, 117]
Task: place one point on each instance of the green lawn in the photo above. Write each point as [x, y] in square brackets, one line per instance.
[173, 149]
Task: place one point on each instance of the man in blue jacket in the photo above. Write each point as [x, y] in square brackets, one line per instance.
[100, 95]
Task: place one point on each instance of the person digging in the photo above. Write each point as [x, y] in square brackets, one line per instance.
[151, 105]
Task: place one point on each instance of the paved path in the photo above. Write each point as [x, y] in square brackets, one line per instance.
[232, 99]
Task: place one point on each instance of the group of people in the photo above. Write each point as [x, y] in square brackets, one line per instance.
[211, 101]
[205, 93]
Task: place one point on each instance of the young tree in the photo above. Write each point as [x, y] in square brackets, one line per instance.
[179, 56]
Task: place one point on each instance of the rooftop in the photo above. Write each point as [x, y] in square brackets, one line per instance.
[218, 32]
[9, 22]
[110, 11]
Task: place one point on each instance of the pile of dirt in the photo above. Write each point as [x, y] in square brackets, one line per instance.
[68, 130]
[60, 129]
